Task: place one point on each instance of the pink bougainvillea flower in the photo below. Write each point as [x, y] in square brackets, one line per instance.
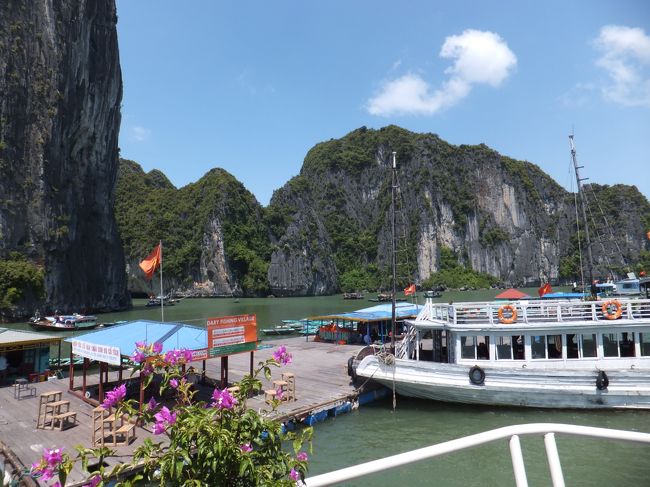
[157, 347]
[223, 399]
[146, 370]
[94, 481]
[302, 456]
[282, 356]
[114, 397]
[279, 393]
[140, 345]
[294, 475]
[158, 428]
[152, 404]
[164, 418]
[139, 356]
[173, 383]
[246, 447]
[187, 355]
[53, 457]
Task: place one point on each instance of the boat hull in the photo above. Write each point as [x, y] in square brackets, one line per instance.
[566, 389]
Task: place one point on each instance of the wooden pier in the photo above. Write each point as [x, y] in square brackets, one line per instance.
[320, 371]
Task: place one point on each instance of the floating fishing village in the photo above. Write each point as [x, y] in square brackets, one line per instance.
[275, 245]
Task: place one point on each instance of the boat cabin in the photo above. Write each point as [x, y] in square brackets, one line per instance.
[538, 334]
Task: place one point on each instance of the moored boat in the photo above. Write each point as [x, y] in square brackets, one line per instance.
[64, 322]
[545, 354]
[279, 330]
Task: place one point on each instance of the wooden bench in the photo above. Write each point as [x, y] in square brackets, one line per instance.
[69, 418]
[127, 431]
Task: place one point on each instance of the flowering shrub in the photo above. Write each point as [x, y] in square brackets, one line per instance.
[216, 442]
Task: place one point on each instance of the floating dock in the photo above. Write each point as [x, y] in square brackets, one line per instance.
[322, 388]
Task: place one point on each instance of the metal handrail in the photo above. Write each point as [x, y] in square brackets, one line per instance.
[511, 432]
[535, 311]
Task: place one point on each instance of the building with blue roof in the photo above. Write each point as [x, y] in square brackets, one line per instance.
[368, 324]
[116, 344]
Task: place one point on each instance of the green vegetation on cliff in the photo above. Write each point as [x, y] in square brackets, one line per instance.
[19, 279]
[454, 275]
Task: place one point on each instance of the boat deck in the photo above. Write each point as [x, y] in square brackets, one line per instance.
[321, 383]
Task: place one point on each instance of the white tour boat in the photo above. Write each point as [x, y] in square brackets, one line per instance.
[538, 353]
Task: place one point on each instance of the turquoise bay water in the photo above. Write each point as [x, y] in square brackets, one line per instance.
[375, 430]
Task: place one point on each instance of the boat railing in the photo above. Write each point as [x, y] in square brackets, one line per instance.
[537, 311]
[511, 433]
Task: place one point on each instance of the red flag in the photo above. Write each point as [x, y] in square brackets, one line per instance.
[545, 289]
[409, 290]
[151, 263]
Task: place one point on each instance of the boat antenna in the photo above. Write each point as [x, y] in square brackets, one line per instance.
[394, 266]
[581, 195]
[393, 248]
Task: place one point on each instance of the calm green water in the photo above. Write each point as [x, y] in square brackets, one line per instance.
[375, 431]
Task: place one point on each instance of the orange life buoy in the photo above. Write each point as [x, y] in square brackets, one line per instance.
[612, 310]
[513, 314]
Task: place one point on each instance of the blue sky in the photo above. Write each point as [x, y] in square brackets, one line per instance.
[251, 86]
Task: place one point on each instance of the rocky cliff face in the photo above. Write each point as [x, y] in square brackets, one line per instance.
[60, 94]
[503, 217]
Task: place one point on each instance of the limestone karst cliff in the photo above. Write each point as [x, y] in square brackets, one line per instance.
[214, 237]
[60, 94]
[503, 217]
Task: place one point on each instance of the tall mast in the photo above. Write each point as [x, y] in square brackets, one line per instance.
[581, 195]
[393, 247]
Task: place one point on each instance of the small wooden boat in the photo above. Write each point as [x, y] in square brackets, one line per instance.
[279, 330]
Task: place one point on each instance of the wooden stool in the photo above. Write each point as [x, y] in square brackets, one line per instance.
[69, 418]
[269, 395]
[99, 415]
[49, 404]
[127, 431]
[281, 385]
[290, 379]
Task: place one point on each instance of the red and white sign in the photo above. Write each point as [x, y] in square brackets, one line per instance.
[231, 334]
[101, 353]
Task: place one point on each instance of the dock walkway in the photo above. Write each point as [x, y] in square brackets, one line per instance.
[321, 383]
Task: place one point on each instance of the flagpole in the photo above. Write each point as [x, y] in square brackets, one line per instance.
[162, 296]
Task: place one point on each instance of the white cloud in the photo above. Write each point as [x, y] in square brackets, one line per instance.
[626, 58]
[481, 57]
[140, 134]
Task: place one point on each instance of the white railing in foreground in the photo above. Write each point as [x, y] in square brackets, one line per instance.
[512, 432]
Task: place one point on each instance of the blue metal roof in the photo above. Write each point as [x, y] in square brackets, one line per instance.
[124, 337]
[380, 312]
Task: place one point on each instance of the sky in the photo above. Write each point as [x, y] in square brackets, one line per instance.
[251, 86]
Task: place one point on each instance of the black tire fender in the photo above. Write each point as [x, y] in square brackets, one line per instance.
[477, 375]
[351, 372]
[602, 381]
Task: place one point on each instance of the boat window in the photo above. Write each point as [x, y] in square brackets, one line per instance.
[475, 347]
[504, 348]
[644, 340]
[572, 346]
[610, 344]
[483, 348]
[538, 346]
[518, 347]
[467, 347]
[626, 344]
[554, 346]
[589, 346]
